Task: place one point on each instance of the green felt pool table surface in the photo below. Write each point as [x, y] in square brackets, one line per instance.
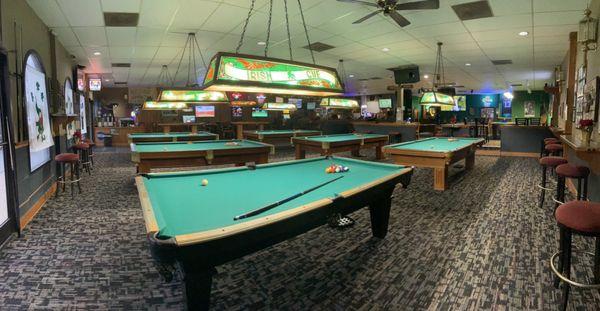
[280, 132]
[342, 137]
[170, 134]
[194, 146]
[181, 205]
[436, 144]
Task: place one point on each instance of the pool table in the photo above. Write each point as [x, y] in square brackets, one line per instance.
[171, 136]
[437, 153]
[193, 225]
[278, 137]
[148, 156]
[329, 144]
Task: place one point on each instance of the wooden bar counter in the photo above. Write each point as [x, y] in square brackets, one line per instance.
[118, 135]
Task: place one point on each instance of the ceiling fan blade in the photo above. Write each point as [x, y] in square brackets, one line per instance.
[399, 19]
[419, 5]
[361, 2]
[364, 18]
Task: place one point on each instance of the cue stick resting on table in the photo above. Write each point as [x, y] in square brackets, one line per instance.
[274, 205]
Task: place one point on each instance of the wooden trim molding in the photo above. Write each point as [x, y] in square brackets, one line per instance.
[571, 81]
[37, 206]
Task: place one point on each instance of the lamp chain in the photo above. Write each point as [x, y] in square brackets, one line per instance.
[312, 55]
[269, 27]
[237, 50]
[287, 24]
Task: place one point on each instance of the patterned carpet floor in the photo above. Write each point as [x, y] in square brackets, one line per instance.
[482, 245]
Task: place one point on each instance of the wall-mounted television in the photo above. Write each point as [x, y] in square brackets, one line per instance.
[205, 111]
[188, 119]
[259, 113]
[460, 104]
[311, 106]
[236, 112]
[385, 103]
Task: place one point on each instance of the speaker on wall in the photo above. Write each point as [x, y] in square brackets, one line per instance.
[406, 74]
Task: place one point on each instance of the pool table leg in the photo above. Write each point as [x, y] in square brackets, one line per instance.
[470, 161]
[440, 175]
[379, 151]
[300, 153]
[380, 214]
[198, 282]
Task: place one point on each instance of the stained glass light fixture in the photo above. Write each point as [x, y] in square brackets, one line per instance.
[248, 73]
[154, 105]
[191, 96]
[433, 97]
[339, 103]
[235, 72]
[279, 106]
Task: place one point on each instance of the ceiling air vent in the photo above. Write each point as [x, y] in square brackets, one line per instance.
[121, 65]
[118, 19]
[502, 62]
[120, 83]
[473, 10]
[375, 78]
[319, 47]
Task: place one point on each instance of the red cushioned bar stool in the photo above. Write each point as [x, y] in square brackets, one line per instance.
[91, 151]
[63, 160]
[568, 170]
[83, 150]
[547, 141]
[548, 163]
[580, 218]
[553, 149]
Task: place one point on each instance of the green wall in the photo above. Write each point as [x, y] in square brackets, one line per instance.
[474, 105]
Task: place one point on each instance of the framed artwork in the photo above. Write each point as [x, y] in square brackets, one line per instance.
[82, 116]
[590, 105]
[68, 97]
[36, 107]
[581, 77]
[529, 109]
[578, 111]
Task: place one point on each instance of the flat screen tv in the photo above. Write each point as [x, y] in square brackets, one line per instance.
[189, 119]
[205, 111]
[236, 112]
[385, 103]
[460, 104]
[259, 113]
[311, 106]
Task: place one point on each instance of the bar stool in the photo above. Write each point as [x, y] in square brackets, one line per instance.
[547, 141]
[580, 218]
[91, 151]
[553, 149]
[82, 149]
[548, 162]
[568, 170]
[72, 159]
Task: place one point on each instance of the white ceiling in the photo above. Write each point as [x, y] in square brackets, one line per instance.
[160, 37]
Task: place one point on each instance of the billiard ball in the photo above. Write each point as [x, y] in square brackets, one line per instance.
[204, 182]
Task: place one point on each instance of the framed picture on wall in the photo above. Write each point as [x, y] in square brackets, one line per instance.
[529, 109]
[578, 113]
[581, 73]
[590, 104]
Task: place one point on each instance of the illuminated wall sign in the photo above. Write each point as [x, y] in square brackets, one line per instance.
[279, 106]
[152, 105]
[243, 103]
[95, 84]
[487, 101]
[191, 96]
[339, 103]
[247, 73]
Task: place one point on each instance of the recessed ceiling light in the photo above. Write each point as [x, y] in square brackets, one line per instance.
[385, 49]
[468, 64]
[97, 53]
[261, 43]
[523, 33]
[426, 76]
[106, 80]
[351, 76]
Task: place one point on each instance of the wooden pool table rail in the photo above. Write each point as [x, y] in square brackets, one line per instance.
[328, 148]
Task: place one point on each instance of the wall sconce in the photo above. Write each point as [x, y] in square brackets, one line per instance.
[588, 31]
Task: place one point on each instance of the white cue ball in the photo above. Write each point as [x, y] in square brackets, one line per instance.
[204, 182]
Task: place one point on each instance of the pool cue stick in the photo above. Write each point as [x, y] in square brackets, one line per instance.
[274, 205]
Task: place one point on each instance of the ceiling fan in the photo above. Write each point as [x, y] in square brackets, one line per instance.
[390, 8]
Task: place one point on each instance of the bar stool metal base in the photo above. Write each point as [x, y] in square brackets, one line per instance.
[567, 280]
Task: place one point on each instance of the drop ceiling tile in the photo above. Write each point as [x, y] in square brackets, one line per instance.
[129, 6]
[553, 6]
[91, 36]
[144, 52]
[66, 36]
[168, 53]
[437, 30]
[102, 49]
[557, 18]
[149, 36]
[157, 13]
[121, 36]
[121, 52]
[85, 13]
[225, 18]
[49, 12]
[520, 22]
[510, 7]
[192, 14]
[393, 37]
